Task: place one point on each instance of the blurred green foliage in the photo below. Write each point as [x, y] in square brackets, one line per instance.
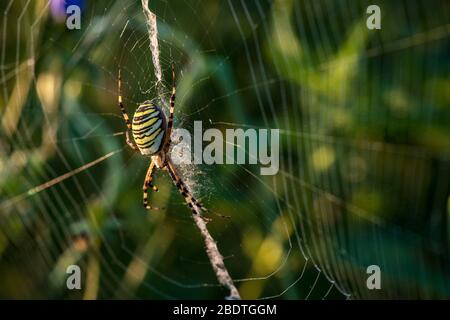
[364, 174]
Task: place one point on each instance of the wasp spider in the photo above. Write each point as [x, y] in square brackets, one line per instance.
[151, 137]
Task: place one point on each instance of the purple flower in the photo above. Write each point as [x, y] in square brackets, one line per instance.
[58, 8]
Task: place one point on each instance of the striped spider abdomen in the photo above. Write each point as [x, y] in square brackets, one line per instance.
[149, 128]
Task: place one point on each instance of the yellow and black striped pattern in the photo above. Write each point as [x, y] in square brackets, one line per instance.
[149, 128]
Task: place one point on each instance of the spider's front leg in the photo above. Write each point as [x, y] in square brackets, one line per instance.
[125, 115]
[171, 112]
[147, 184]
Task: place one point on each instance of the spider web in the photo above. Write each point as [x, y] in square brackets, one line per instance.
[364, 175]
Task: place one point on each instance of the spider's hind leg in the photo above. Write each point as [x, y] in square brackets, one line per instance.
[192, 203]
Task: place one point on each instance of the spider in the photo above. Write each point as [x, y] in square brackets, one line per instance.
[151, 137]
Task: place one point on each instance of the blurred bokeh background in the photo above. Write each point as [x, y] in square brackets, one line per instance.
[364, 117]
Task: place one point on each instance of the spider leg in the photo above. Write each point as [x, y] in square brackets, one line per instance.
[193, 204]
[125, 115]
[172, 107]
[121, 106]
[130, 142]
[147, 184]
